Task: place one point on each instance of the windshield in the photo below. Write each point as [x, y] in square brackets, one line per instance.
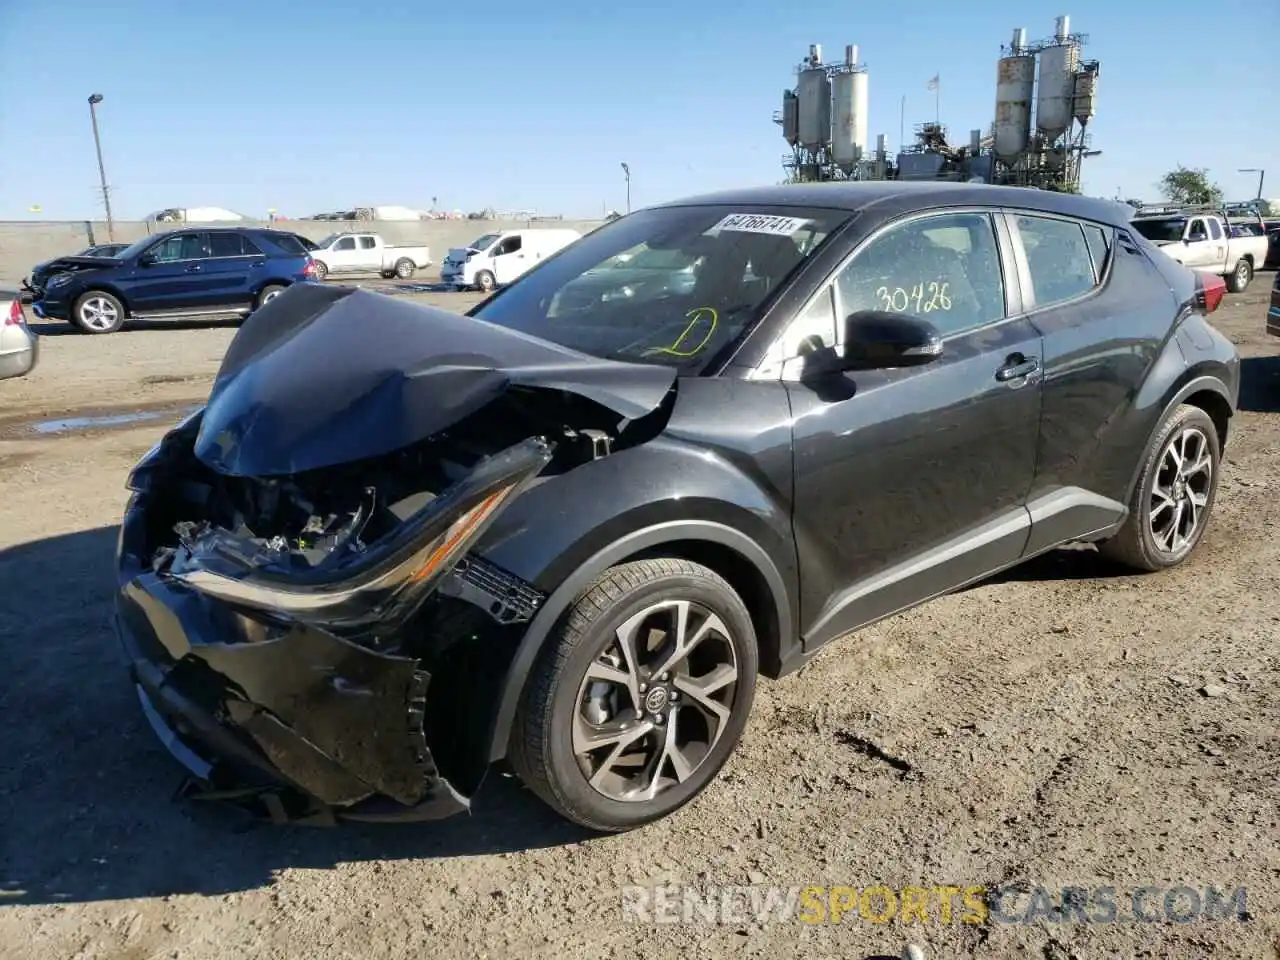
[484, 243]
[1161, 231]
[713, 267]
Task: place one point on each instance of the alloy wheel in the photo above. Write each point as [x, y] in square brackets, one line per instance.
[98, 313]
[655, 701]
[271, 296]
[1180, 491]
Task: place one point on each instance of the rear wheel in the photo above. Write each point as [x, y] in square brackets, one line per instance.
[97, 311]
[485, 281]
[1175, 494]
[269, 293]
[1240, 277]
[405, 268]
[641, 696]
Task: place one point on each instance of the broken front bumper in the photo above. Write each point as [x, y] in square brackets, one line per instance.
[253, 683]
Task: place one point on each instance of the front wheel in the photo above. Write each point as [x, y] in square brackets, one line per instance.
[640, 698]
[322, 269]
[485, 281]
[98, 312]
[1240, 277]
[1171, 504]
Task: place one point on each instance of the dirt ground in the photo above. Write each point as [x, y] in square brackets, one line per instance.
[1063, 726]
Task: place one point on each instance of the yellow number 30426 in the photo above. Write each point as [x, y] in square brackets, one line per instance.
[923, 297]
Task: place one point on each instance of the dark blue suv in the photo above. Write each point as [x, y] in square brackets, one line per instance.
[192, 274]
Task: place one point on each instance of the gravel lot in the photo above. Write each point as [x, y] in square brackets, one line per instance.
[1064, 726]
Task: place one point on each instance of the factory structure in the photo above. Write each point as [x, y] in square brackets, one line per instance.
[1046, 94]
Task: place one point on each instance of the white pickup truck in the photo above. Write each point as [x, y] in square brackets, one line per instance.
[348, 253]
[1205, 243]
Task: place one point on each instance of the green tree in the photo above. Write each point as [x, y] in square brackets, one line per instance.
[1190, 185]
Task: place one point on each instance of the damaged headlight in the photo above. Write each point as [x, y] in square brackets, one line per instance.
[386, 585]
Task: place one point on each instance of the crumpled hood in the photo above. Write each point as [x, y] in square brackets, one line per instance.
[324, 375]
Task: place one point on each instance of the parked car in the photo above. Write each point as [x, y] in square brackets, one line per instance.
[1273, 248]
[1205, 242]
[19, 346]
[498, 258]
[33, 285]
[352, 253]
[181, 275]
[579, 544]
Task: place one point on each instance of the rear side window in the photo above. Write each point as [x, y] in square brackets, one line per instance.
[1058, 257]
[1099, 240]
[288, 243]
[226, 245]
[1215, 231]
[367, 243]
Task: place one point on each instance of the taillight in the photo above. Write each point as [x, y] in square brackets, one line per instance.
[310, 269]
[15, 314]
[1209, 292]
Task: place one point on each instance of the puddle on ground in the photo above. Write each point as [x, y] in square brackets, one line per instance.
[45, 427]
[107, 418]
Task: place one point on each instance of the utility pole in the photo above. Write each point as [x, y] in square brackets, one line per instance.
[94, 100]
[626, 172]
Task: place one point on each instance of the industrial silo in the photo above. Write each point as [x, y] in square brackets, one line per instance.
[814, 91]
[849, 113]
[790, 117]
[1086, 95]
[1055, 98]
[1015, 84]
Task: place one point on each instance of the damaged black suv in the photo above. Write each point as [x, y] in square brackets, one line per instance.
[570, 528]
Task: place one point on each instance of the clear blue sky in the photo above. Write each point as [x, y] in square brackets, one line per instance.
[316, 105]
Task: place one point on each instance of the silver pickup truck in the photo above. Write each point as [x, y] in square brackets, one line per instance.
[1206, 242]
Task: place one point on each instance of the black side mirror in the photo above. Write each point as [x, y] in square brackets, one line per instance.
[147, 260]
[878, 339]
[1196, 238]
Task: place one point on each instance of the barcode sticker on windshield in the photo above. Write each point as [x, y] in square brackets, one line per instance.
[761, 223]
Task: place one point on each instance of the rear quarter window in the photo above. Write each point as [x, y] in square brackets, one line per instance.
[288, 244]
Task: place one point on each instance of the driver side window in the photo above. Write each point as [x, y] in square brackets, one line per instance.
[943, 268]
[183, 246]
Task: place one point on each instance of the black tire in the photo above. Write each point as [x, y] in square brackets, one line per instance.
[1136, 544]
[404, 268]
[542, 750]
[485, 281]
[98, 304]
[322, 269]
[1240, 277]
[269, 292]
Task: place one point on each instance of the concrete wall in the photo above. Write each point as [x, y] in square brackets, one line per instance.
[26, 243]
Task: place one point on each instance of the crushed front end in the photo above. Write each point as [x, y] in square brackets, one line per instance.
[281, 632]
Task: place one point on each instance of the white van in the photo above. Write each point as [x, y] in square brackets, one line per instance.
[498, 258]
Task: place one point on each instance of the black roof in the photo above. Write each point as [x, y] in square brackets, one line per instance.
[906, 195]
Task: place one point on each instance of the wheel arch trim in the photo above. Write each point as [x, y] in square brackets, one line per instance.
[1205, 383]
[637, 542]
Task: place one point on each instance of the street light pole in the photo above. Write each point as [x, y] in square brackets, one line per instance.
[94, 100]
[626, 172]
[1261, 177]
